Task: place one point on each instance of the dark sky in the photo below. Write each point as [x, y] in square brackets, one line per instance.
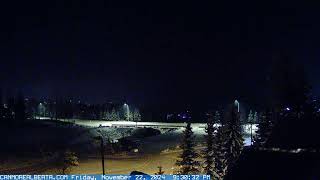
[153, 52]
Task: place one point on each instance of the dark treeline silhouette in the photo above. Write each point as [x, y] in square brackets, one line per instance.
[14, 111]
[286, 145]
[294, 112]
[223, 146]
[19, 109]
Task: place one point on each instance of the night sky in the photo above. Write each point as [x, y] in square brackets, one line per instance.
[153, 52]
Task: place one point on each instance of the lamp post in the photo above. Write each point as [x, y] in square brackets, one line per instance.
[127, 111]
[102, 151]
[41, 110]
[251, 136]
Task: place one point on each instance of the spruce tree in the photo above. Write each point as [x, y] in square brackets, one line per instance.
[208, 152]
[217, 117]
[136, 116]
[219, 154]
[160, 172]
[65, 161]
[187, 160]
[219, 149]
[264, 129]
[102, 114]
[234, 139]
[251, 121]
[127, 115]
[250, 117]
[255, 118]
[108, 115]
[114, 116]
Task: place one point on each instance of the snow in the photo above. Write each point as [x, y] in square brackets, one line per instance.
[170, 139]
[247, 141]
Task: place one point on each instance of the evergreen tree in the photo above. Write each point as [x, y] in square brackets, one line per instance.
[160, 172]
[234, 139]
[65, 161]
[264, 129]
[102, 114]
[219, 154]
[114, 116]
[255, 118]
[136, 116]
[217, 117]
[250, 117]
[108, 115]
[208, 152]
[127, 115]
[292, 111]
[187, 160]
[289, 85]
[219, 150]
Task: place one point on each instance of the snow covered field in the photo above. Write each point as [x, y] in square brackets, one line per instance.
[114, 130]
[165, 140]
[79, 135]
[97, 123]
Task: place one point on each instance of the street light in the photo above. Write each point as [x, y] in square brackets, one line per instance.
[127, 111]
[237, 104]
[102, 151]
[41, 110]
[251, 135]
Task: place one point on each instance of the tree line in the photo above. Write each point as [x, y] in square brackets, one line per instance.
[18, 109]
[288, 122]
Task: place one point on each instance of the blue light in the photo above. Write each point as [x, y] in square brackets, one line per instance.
[288, 109]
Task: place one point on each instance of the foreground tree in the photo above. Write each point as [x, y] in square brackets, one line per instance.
[264, 129]
[292, 110]
[234, 139]
[160, 172]
[219, 154]
[66, 161]
[187, 162]
[289, 86]
[255, 117]
[208, 153]
[250, 117]
[217, 117]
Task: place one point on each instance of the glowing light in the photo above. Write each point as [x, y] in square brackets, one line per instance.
[127, 111]
[237, 104]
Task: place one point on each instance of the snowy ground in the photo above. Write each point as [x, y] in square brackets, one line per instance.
[156, 150]
[198, 128]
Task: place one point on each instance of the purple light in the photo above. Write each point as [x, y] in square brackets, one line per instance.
[288, 109]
